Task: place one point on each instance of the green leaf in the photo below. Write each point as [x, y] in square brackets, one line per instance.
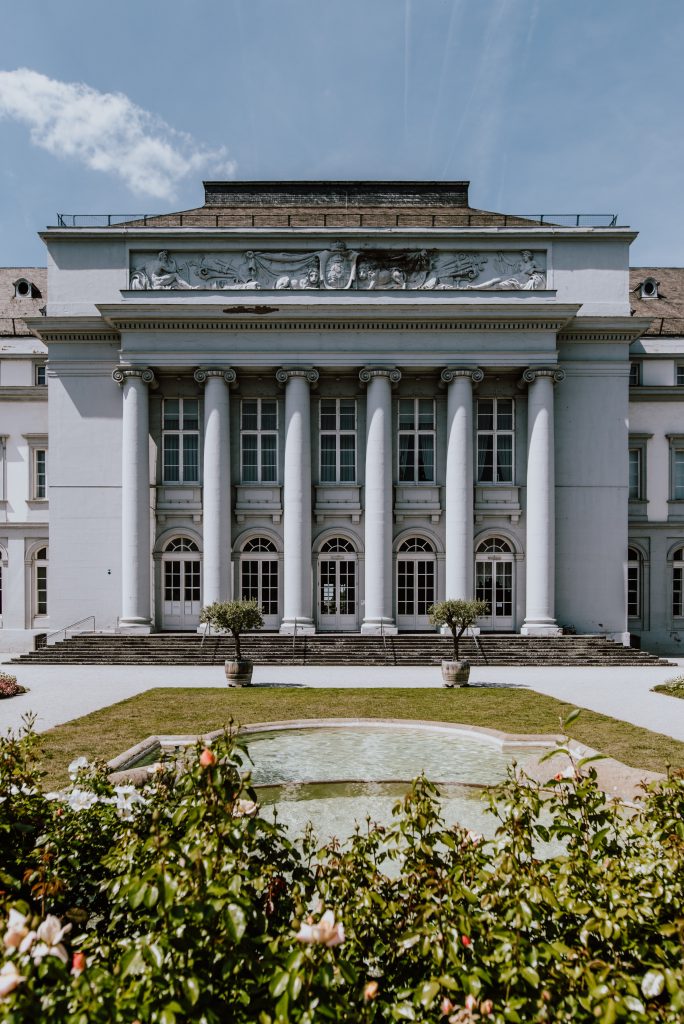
[279, 983]
[403, 1011]
[574, 714]
[237, 921]
[530, 976]
[426, 993]
[192, 990]
[151, 896]
[136, 896]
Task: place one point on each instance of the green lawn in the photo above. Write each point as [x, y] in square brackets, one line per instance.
[172, 711]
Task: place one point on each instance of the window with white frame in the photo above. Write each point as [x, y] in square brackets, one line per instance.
[635, 487]
[180, 440]
[338, 440]
[40, 374]
[259, 574]
[259, 440]
[680, 375]
[633, 583]
[39, 492]
[634, 374]
[676, 467]
[416, 440]
[495, 432]
[678, 584]
[40, 581]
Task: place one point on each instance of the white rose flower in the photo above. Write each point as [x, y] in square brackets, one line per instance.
[81, 799]
[9, 979]
[76, 765]
[328, 931]
[49, 935]
[17, 930]
[245, 808]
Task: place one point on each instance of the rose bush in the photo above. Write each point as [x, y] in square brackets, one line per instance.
[181, 902]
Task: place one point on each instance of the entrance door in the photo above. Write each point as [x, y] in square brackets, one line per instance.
[415, 584]
[259, 578]
[494, 584]
[337, 586]
[181, 584]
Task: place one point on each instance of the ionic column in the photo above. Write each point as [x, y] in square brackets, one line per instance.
[216, 557]
[297, 599]
[135, 499]
[377, 511]
[541, 535]
[459, 519]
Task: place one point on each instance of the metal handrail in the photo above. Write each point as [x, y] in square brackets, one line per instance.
[65, 629]
[407, 218]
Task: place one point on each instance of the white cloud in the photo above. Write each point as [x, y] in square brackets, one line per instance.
[107, 132]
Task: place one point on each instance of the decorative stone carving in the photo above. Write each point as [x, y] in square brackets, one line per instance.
[147, 376]
[201, 375]
[342, 269]
[452, 372]
[556, 374]
[368, 372]
[284, 374]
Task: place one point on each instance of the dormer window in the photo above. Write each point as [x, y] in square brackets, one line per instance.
[649, 288]
[25, 289]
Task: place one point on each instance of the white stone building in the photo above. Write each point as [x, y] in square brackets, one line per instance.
[347, 400]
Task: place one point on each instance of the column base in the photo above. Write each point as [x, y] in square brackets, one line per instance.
[541, 627]
[134, 627]
[378, 627]
[303, 627]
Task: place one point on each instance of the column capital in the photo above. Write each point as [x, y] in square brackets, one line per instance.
[146, 375]
[367, 374]
[202, 374]
[286, 373]
[533, 372]
[450, 373]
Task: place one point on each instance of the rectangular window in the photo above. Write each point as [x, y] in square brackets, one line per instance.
[678, 474]
[495, 431]
[634, 375]
[633, 602]
[180, 440]
[680, 375]
[338, 440]
[40, 374]
[41, 590]
[416, 440]
[635, 489]
[259, 440]
[39, 473]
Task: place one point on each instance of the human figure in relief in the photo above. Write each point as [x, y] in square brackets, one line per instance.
[161, 272]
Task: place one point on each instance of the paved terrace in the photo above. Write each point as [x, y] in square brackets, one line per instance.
[58, 694]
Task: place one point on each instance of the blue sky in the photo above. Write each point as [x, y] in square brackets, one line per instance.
[546, 106]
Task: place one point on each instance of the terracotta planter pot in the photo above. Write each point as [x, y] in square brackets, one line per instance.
[239, 673]
[455, 673]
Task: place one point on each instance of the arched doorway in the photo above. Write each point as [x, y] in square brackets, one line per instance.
[337, 598]
[259, 577]
[181, 586]
[494, 560]
[416, 578]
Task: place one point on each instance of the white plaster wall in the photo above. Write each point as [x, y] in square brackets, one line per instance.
[85, 486]
[594, 272]
[83, 272]
[591, 488]
[658, 372]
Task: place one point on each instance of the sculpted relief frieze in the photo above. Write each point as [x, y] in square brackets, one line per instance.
[342, 269]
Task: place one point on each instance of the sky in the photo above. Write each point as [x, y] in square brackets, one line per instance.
[545, 106]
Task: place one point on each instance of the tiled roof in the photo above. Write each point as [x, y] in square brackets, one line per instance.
[667, 310]
[14, 307]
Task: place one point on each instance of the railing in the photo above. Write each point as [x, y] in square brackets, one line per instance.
[53, 638]
[265, 218]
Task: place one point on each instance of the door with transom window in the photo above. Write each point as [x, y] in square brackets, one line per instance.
[416, 579]
[337, 592]
[181, 585]
[494, 561]
[259, 578]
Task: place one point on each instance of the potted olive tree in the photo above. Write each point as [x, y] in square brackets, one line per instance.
[457, 616]
[235, 617]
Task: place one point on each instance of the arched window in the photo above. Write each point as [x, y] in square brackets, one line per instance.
[40, 581]
[337, 544]
[416, 544]
[259, 544]
[633, 583]
[678, 583]
[259, 577]
[181, 544]
[494, 545]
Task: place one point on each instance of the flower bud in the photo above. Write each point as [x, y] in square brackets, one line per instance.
[470, 1003]
[446, 1006]
[486, 1007]
[207, 758]
[370, 991]
[78, 963]
[465, 939]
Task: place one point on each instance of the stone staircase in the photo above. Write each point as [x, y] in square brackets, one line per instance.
[337, 649]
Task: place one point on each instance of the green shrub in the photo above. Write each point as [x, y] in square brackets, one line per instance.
[179, 903]
[235, 617]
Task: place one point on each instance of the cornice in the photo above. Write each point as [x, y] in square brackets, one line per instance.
[592, 330]
[72, 330]
[23, 393]
[656, 393]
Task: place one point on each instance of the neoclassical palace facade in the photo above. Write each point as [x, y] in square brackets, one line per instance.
[347, 400]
